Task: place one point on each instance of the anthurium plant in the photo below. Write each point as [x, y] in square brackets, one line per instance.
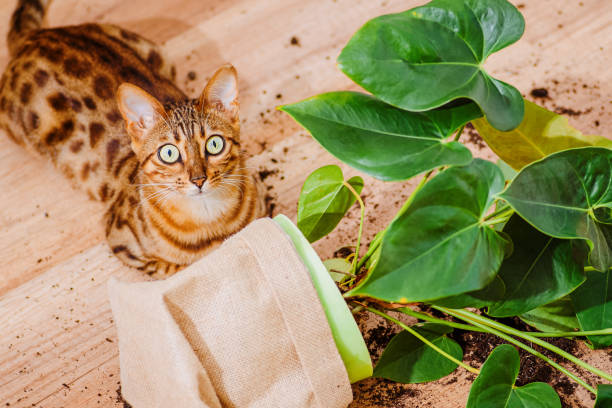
[472, 241]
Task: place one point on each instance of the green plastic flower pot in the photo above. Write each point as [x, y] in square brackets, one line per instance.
[346, 334]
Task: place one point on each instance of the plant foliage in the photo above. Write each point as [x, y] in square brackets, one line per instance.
[440, 246]
[430, 55]
[406, 359]
[536, 244]
[494, 387]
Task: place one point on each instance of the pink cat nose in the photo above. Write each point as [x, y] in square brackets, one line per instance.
[198, 181]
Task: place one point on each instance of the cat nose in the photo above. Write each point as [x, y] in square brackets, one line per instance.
[198, 181]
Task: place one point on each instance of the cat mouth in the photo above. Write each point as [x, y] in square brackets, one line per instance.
[197, 192]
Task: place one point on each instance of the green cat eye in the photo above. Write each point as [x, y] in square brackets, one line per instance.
[168, 153]
[215, 144]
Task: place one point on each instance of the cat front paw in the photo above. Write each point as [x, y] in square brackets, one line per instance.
[160, 269]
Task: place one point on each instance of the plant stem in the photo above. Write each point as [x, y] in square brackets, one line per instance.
[360, 201]
[458, 134]
[423, 339]
[603, 332]
[342, 273]
[373, 247]
[428, 318]
[457, 313]
[500, 213]
[357, 309]
[495, 221]
[467, 327]
[591, 269]
[412, 195]
[378, 241]
[473, 317]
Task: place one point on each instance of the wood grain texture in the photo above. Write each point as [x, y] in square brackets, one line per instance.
[58, 344]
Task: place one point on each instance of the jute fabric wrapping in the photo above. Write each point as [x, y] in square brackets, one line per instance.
[242, 327]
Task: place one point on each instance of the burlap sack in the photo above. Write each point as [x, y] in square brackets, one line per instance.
[242, 327]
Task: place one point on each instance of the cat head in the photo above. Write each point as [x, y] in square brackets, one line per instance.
[192, 147]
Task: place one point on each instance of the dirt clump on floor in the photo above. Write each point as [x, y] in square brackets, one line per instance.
[120, 399]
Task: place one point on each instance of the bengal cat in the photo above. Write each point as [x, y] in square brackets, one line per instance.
[101, 103]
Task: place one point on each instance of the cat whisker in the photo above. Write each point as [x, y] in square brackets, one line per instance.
[158, 193]
[142, 186]
[160, 200]
[238, 185]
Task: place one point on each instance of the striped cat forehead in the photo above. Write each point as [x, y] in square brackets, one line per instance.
[180, 113]
[189, 120]
[184, 118]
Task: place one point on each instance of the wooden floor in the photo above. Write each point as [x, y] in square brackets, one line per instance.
[58, 343]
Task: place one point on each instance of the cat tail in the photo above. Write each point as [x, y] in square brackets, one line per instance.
[28, 16]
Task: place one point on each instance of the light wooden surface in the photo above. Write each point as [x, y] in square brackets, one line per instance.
[58, 343]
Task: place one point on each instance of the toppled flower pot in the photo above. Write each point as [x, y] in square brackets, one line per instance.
[256, 323]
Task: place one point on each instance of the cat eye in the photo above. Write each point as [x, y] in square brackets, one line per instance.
[169, 153]
[215, 144]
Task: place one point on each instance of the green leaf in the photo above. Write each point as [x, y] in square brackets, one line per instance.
[338, 268]
[508, 171]
[541, 133]
[408, 360]
[541, 270]
[534, 395]
[427, 56]
[568, 195]
[380, 140]
[324, 200]
[478, 299]
[604, 396]
[558, 316]
[593, 304]
[493, 388]
[439, 246]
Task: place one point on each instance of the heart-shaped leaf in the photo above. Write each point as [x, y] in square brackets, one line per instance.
[541, 133]
[541, 269]
[408, 360]
[558, 316]
[593, 305]
[604, 396]
[338, 268]
[494, 386]
[427, 56]
[324, 200]
[568, 195]
[440, 246]
[478, 298]
[380, 140]
[509, 172]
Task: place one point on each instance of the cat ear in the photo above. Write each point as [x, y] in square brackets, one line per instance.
[221, 92]
[140, 110]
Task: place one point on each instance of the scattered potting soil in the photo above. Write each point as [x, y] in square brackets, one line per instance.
[378, 337]
[474, 137]
[263, 174]
[384, 393]
[343, 252]
[270, 204]
[191, 75]
[121, 400]
[539, 93]
[571, 112]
